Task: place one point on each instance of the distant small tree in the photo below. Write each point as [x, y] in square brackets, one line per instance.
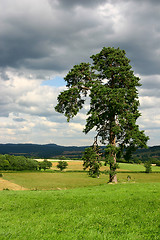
[148, 167]
[45, 165]
[92, 162]
[48, 163]
[62, 165]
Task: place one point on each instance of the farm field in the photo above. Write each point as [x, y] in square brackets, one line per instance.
[54, 181]
[74, 177]
[122, 211]
[78, 166]
[68, 180]
[70, 205]
[136, 167]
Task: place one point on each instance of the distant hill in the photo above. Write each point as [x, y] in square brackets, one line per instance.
[151, 152]
[53, 150]
[41, 151]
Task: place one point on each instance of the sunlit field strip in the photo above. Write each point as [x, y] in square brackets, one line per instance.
[68, 180]
[78, 166]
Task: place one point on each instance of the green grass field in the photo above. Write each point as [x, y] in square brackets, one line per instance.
[81, 207]
[67, 180]
[122, 211]
[70, 178]
[136, 167]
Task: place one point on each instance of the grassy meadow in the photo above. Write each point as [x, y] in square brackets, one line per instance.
[74, 176]
[71, 205]
[122, 211]
[68, 180]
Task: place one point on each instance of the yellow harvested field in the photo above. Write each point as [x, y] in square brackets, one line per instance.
[5, 184]
[74, 165]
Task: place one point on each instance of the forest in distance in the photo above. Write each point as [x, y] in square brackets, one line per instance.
[73, 152]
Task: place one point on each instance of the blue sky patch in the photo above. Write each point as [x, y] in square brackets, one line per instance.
[55, 82]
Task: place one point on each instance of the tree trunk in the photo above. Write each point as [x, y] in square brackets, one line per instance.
[113, 179]
[112, 175]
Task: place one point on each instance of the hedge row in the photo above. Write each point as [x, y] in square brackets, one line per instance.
[19, 163]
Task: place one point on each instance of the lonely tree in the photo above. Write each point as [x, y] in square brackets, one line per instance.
[111, 86]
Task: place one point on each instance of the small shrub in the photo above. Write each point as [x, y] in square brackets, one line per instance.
[148, 167]
[1, 175]
[128, 177]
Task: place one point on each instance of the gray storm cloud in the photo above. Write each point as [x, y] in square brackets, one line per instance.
[54, 35]
[46, 38]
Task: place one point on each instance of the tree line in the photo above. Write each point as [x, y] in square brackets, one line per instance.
[19, 163]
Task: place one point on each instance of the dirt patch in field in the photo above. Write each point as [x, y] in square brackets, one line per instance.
[5, 184]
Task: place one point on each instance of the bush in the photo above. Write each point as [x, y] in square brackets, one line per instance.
[91, 161]
[62, 165]
[148, 167]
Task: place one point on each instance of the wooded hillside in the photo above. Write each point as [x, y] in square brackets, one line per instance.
[53, 150]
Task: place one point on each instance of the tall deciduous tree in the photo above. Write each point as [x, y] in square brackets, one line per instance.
[112, 88]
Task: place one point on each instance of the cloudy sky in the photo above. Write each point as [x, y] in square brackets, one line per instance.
[40, 40]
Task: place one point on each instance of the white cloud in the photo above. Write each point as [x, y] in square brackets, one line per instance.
[30, 116]
[76, 126]
[40, 40]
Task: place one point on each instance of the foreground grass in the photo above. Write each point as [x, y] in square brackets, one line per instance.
[123, 211]
[67, 180]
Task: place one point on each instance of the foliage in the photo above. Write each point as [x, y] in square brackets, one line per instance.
[148, 167]
[92, 162]
[62, 165]
[114, 103]
[17, 163]
[45, 165]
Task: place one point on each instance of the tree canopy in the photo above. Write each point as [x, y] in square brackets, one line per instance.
[111, 85]
[62, 165]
